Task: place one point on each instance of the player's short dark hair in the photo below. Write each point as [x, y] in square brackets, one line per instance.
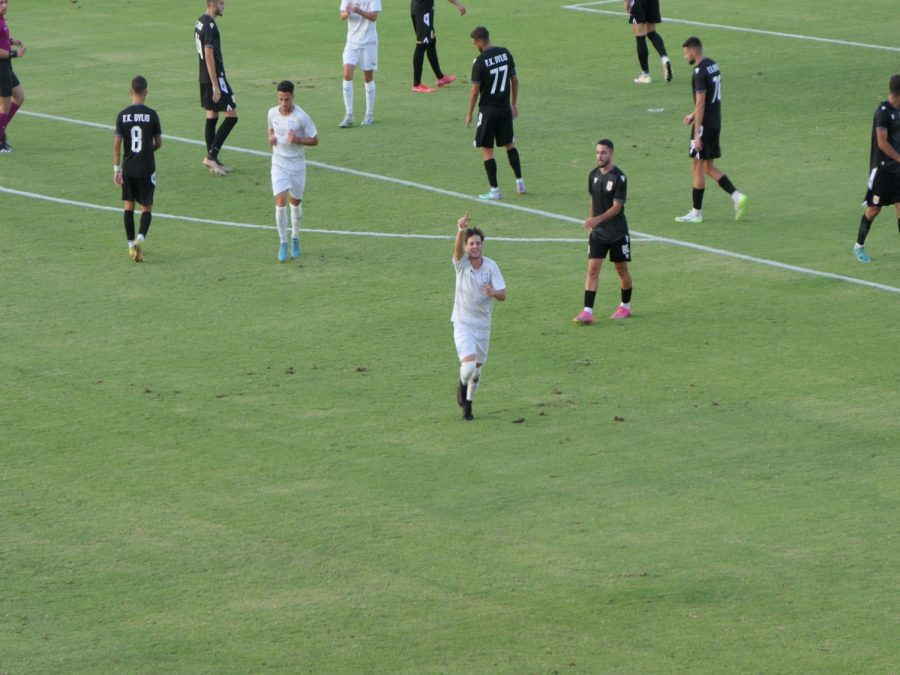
[473, 231]
[895, 84]
[693, 42]
[139, 84]
[481, 34]
[608, 143]
[286, 85]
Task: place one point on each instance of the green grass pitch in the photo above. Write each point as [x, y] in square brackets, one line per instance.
[213, 463]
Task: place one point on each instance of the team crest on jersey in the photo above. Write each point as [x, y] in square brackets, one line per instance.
[609, 185]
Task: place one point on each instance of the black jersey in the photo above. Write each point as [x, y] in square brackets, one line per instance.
[206, 34]
[421, 6]
[492, 70]
[887, 117]
[707, 78]
[606, 189]
[137, 126]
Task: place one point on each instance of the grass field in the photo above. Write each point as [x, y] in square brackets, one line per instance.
[215, 463]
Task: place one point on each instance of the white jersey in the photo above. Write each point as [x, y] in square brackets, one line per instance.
[360, 31]
[298, 122]
[471, 307]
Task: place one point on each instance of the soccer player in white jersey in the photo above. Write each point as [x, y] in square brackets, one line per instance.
[361, 50]
[478, 283]
[290, 131]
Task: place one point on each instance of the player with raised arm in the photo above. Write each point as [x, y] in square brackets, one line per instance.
[422, 12]
[216, 94]
[138, 126]
[12, 95]
[478, 284]
[884, 179]
[290, 131]
[361, 50]
[495, 87]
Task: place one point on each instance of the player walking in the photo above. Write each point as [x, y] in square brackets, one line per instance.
[478, 283]
[139, 126]
[706, 127]
[884, 180]
[608, 230]
[290, 131]
[422, 12]
[216, 94]
[12, 95]
[361, 50]
[495, 86]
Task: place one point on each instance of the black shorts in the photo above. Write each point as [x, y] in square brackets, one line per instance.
[494, 127]
[8, 79]
[138, 189]
[226, 101]
[711, 149]
[619, 251]
[423, 24]
[884, 188]
[644, 11]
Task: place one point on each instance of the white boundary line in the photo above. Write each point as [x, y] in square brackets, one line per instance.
[646, 237]
[586, 7]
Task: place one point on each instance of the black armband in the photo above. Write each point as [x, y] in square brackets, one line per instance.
[13, 53]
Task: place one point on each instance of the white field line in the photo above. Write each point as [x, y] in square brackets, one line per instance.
[373, 176]
[588, 7]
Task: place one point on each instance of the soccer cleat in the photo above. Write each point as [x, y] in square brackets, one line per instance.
[224, 167]
[445, 80]
[5, 147]
[667, 66]
[138, 254]
[622, 312]
[367, 121]
[861, 254]
[283, 252]
[347, 122]
[422, 89]
[520, 186]
[643, 78]
[461, 391]
[691, 216]
[131, 250]
[740, 207]
[214, 167]
[295, 247]
[584, 319]
[467, 412]
[492, 195]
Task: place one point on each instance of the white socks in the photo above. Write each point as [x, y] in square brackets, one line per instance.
[370, 98]
[296, 218]
[473, 384]
[281, 223]
[348, 97]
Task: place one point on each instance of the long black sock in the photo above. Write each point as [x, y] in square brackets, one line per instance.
[864, 225]
[418, 62]
[146, 217]
[697, 195]
[643, 53]
[726, 184]
[210, 132]
[129, 225]
[513, 155]
[431, 50]
[224, 129]
[490, 167]
[626, 295]
[658, 43]
[589, 297]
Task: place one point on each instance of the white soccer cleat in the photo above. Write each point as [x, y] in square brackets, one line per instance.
[367, 121]
[347, 122]
[643, 78]
[692, 216]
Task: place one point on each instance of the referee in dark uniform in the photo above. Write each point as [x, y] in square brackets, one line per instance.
[216, 94]
[138, 126]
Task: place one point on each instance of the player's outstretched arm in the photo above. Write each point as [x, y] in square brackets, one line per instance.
[461, 8]
[460, 241]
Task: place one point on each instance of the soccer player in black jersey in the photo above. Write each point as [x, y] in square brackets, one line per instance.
[608, 230]
[884, 179]
[706, 124]
[643, 15]
[422, 12]
[139, 127]
[216, 94]
[496, 88]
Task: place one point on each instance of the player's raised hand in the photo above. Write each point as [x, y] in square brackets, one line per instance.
[463, 222]
[461, 9]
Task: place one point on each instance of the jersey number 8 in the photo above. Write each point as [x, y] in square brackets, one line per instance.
[137, 139]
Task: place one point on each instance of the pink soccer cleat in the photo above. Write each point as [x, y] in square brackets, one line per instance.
[422, 89]
[622, 312]
[584, 319]
[445, 80]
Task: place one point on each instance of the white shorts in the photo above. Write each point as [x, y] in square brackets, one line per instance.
[471, 341]
[365, 57]
[292, 179]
